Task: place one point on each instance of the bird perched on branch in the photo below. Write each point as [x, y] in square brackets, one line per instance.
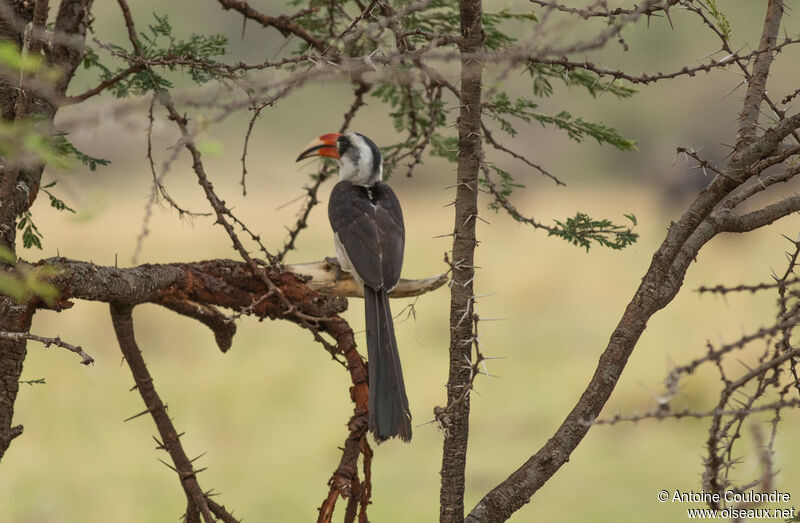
[369, 237]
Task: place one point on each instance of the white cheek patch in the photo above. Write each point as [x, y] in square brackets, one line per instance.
[364, 164]
[359, 169]
[347, 170]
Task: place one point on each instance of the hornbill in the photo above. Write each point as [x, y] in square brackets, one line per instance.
[369, 237]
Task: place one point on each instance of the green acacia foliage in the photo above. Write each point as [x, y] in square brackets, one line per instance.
[29, 141]
[418, 107]
[417, 95]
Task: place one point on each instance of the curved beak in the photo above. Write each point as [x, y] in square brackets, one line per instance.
[325, 145]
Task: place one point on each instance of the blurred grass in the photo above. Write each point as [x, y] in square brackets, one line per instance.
[271, 413]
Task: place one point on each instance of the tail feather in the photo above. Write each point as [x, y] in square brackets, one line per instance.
[389, 415]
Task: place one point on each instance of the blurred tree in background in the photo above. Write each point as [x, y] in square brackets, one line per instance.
[441, 74]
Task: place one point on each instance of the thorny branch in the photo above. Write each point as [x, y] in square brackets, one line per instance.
[774, 14]
[57, 341]
[648, 78]
[476, 366]
[170, 439]
[599, 9]
[487, 135]
[282, 23]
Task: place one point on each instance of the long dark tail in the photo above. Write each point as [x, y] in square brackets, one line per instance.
[388, 405]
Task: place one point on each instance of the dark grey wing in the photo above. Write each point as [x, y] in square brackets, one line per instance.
[369, 224]
[392, 233]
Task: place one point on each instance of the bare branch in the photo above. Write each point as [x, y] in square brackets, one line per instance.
[765, 145]
[221, 283]
[220, 324]
[757, 84]
[648, 78]
[603, 12]
[282, 23]
[328, 279]
[123, 326]
[72, 21]
[660, 413]
[57, 341]
[761, 217]
[487, 135]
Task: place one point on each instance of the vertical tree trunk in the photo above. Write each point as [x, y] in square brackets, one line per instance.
[66, 53]
[466, 212]
[13, 318]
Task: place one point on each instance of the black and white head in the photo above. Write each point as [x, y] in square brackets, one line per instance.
[359, 158]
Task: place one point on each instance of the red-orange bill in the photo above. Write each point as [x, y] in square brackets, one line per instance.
[325, 145]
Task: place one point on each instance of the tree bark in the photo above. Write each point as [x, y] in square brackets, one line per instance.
[756, 86]
[456, 427]
[13, 318]
[121, 317]
[324, 278]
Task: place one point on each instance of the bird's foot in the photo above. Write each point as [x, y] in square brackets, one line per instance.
[334, 264]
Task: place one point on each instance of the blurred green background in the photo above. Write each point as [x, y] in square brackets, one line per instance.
[270, 414]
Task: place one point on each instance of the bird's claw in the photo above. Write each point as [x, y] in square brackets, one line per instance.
[334, 264]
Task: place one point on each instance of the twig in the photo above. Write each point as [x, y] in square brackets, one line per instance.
[57, 341]
[487, 135]
[105, 84]
[660, 413]
[603, 12]
[282, 23]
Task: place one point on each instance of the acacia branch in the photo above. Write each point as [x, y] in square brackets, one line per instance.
[66, 52]
[761, 217]
[698, 10]
[57, 341]
[105, 84]
[454, 453]
[282, 23]
[757, 84]
[214, 283]
[661, 414]
[134, 39]
[766, 145]
[591, 12]
[170, 439]
[647, 78]
[344, 481]
[487, 135]
[196, 289]
[328, 279]
[759, 184]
